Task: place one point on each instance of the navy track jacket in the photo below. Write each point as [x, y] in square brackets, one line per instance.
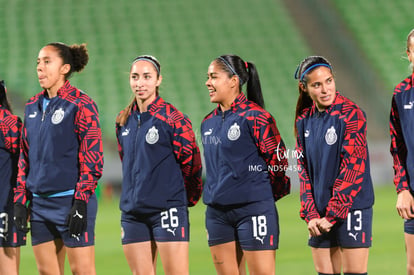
[10, 128]
[244, 155]
[61, 148]
[334, 170]
[402, 133]
[161, 161]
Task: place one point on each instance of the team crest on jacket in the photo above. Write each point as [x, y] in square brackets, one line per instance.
[152, 135]
[234, 132]
[330, 136]
[58, 116]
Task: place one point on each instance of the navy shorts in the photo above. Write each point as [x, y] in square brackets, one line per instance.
[171, 225]
[254, 225]
[49, 221]
[354, 232]
[9, 235]
[409, 226]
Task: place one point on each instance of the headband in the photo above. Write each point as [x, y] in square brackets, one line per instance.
[150, 59]
[231, 69]
[310, 68]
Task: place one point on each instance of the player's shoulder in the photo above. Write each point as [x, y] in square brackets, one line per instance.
[304, 114]
[406, 85]
[167, 110]
[350, 104]
[250, 109]
[7, 117]
[80, 97]
[209, 116]
[34, 98]
[350, 110]
[170, 114]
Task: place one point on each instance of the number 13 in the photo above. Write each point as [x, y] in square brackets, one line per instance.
[358, 221]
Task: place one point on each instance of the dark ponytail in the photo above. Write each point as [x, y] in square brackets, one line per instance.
[247, 73]
[3, 97]
[304, 68]
[75, 55]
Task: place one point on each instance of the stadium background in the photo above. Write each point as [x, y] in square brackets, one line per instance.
[364, 40]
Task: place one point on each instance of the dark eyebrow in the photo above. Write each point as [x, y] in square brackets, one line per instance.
[44, 58]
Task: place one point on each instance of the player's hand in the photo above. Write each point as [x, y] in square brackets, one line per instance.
[20, 217]
[324, 225]
[77, 218]
[405, 204]
[313, 227]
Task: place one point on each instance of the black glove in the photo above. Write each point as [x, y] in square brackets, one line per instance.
[20, 217]
[77, 218]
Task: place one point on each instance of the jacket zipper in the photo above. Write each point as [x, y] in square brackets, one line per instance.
[46, 111]
[137, 134]
[139, 121]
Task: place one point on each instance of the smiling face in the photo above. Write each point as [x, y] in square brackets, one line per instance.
[320, 85]
[144, 81]
[222, 88]
[50, 69]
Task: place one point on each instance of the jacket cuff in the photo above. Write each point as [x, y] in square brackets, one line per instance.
[312, 215]
[330, 219]
[83, 196]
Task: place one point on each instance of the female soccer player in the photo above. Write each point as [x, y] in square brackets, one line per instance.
[161, 167]
[10, 238]
[245, 173]
[401, 131]
[336, 191]
[60, 163]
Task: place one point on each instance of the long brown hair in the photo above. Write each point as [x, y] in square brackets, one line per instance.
[123, 116]
[304, 68]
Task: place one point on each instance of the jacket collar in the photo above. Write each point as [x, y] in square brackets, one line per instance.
[338, 100]
[152, 107]
[63, 91]
[241, 98]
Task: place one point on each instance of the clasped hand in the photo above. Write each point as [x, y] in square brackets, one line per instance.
[319, 226]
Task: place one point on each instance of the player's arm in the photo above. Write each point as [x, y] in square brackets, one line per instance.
[11, 127]
[271, 147]
[398, 149]
[120, 150]
[188, 156]
[20, 195]
[308, 209]
[21, 200]
[90, 150]
[90, 165]
[354, 155]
